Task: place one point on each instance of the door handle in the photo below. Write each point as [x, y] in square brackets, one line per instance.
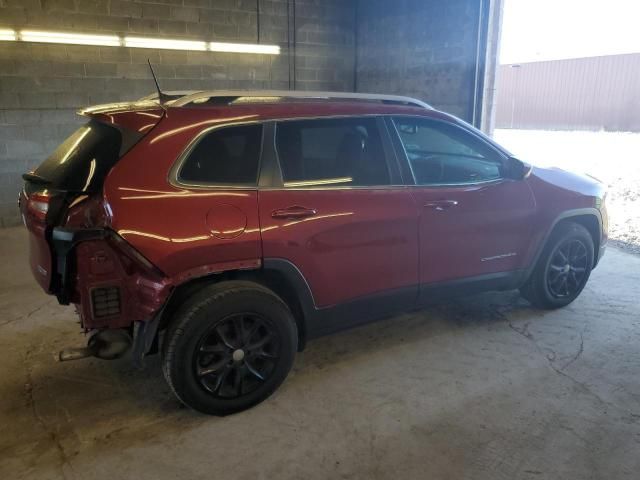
[441, 205]
[294, 212]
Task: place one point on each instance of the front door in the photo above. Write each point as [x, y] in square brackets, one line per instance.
[473, 222]
[337, 215]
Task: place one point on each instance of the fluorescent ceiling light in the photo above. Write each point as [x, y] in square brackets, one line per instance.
[69, 38]
[6, 34]
[244, 48]
[40, 36]
[163, 43]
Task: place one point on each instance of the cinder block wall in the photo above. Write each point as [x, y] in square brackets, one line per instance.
[42, 85]
[422, 48]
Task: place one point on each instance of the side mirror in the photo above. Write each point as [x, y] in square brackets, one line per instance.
[518, 170]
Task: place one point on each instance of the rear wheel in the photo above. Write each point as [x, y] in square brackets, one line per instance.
[229, 347]
[563, 268]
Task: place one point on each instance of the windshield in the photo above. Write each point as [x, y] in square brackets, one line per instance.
[83, 160]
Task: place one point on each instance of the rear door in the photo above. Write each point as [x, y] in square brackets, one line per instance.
[338, 212]
[473, 222]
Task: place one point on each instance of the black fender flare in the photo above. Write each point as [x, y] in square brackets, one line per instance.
[567, 214]
[301, 290]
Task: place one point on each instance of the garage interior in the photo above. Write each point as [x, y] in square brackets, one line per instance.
[483, 387]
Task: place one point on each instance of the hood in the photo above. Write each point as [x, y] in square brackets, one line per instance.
[580, 183]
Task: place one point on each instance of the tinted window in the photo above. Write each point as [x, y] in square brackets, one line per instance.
[440, 153]
[331, 152]
[225, 156]
[82, 161]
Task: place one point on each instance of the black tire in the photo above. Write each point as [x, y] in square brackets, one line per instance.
[563, 268]
[200, 356]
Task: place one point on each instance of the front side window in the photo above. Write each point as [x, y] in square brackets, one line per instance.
[331, 152]
[225, 156]
[443, 154]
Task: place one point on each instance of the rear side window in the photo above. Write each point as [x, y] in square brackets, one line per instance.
[341, 152]
[443, 154]
[225, 156]
[83, 160]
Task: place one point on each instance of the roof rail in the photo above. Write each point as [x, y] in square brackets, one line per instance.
[228, 97]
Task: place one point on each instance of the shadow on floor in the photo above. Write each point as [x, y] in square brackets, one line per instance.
[103, 403]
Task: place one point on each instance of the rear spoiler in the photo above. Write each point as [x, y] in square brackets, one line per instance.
[139, 117]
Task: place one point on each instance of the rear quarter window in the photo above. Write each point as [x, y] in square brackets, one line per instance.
[225, 156]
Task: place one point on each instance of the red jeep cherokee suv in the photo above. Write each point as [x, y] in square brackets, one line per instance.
[225, 229]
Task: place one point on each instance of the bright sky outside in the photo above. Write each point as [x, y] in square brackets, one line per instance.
[536, 30]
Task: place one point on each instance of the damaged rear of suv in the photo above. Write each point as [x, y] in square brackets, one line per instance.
[75, 255]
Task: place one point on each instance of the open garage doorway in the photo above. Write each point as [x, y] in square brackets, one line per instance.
[568, 96]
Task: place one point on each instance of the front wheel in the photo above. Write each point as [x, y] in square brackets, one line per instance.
[229, 347]
[563, 268]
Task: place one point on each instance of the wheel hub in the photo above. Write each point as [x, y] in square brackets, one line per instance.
[238, 355]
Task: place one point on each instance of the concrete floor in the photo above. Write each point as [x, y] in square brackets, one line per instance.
[480, 388]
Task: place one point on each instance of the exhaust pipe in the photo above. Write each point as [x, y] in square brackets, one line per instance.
[69, 354]
[104, 344]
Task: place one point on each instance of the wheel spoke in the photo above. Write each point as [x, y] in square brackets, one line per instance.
[265, 354]
[579, 252]
[562, 255]
[576, 282]
[555, 274]
[254, 371]
[209, 369]
[223, 336]
[254, 329]
[260, 343]
[214, 349]
[221, 379]
[558, 286]
[239, 330]
[557, 278]
[238, 380]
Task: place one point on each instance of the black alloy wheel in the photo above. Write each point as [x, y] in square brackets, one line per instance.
[563, 267]
[236, 355]
[567, 269]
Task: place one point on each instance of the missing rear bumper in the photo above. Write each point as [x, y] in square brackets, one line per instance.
[63, 240]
